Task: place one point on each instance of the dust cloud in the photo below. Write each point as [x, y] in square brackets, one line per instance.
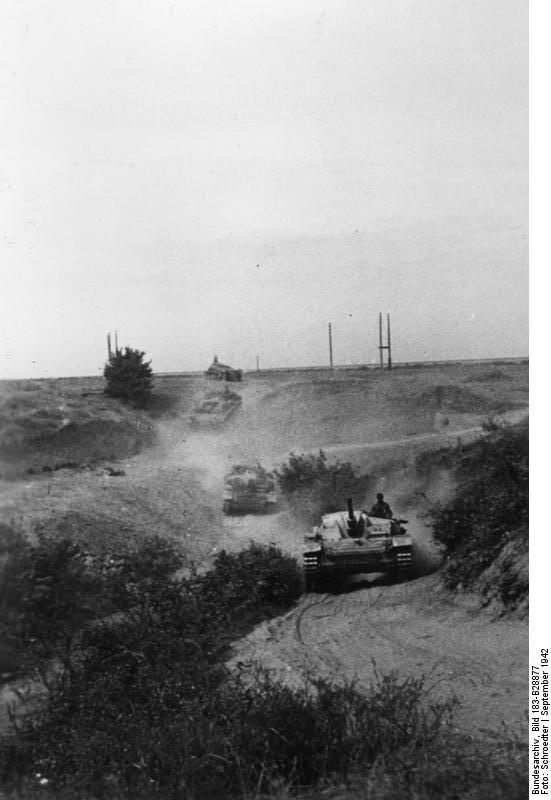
[379, 423]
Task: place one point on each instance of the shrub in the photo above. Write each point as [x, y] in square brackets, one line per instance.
[144, 721]
[51, 590]
[48, 595]
[490, 502]
[253, 584]
[313, 486]
[454, 767]
[491, 425]
[147, 709]
[128, 377]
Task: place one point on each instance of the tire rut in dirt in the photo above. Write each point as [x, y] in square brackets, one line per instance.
[303, 611]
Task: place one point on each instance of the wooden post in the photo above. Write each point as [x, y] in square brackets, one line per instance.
[388, 340]
[387, 345]
[109, 344]
[381, 338]
[330, 347]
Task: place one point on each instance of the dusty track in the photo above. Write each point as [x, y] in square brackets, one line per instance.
[413, 629]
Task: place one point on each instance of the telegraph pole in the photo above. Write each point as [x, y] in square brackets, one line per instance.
[388, 341]
[387, 345]
[109, 345]
[330, 347]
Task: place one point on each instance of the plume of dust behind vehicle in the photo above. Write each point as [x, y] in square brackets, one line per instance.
[416, 494]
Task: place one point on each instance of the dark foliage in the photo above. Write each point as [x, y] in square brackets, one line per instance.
[253, 584]
[133, 687]
[490, 503]
[491, 425]
[47, 594]
[150, 715]
[454, 767]
[313, 486]
[128, 377]
[143, 706]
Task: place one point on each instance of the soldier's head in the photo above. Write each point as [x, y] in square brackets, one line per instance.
[380, 497]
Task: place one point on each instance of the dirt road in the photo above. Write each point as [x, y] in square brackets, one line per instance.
[414, 629]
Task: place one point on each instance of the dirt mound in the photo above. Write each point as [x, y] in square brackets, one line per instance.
[323, 412]
[489, 376]
[455, 399]
[75, 444]
[316, 389]
[98, 439]
[505, 582]
[51, 422]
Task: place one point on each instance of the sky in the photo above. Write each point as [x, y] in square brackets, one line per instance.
[228, 177]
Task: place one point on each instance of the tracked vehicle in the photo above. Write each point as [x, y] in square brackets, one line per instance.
[223, 372]
[215, 409]
[349, 542]
[249, 490]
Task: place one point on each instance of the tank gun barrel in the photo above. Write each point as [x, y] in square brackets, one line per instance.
[351, 521]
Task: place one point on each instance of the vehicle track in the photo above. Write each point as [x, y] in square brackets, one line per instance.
[408, 629]
[302, 612]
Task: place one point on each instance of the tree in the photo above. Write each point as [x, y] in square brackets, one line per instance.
[128, 376]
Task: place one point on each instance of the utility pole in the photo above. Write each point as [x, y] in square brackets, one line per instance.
[381, 338]
[330, 347]
[387, 345]
[116, 342]
[388, 341]
[109, 353]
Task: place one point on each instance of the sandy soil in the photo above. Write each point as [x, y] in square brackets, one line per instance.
[174, 489]
[413, 629]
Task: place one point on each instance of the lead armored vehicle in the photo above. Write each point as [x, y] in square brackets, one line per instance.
[349, 542]
[249, 490]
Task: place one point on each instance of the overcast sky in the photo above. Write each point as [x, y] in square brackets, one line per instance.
[228, 177]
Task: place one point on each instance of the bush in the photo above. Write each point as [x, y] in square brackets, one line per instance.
[133, 688]
[491, 502]
[51, 590]
[313, 486]
[47, 595]
[142, 721]
[454, 767]
[253, 584]
[128, 376]
[491, 425]
[147, 709]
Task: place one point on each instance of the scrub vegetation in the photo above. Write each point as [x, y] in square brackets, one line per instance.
[312, 486]
[138, 702]
[484, 527]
